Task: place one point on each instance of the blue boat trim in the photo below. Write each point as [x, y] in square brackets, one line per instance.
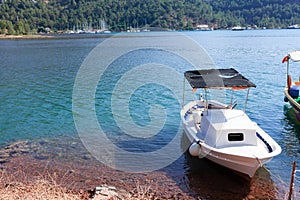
[198, 106]
[264, 141]
[190, 111]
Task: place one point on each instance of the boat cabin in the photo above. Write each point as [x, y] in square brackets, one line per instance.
[228, 128]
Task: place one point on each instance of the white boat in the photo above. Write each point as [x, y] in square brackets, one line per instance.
[295, 26]
[221, 133]
[238, 28]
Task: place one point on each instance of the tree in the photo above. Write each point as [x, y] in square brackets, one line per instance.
[19, 27]
[6, 27]
[10, 28]
[2, 26]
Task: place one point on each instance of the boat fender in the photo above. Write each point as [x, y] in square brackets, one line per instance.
[195, 148]
[286, 99]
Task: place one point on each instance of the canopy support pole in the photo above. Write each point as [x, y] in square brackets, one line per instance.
[206, 101]
[246, 99]
[287, 75]
[183, 93]
[231, 97]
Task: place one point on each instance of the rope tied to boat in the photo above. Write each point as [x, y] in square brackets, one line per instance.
[259, 162]
[199, 142]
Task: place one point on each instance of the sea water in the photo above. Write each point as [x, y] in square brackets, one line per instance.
[37, 79]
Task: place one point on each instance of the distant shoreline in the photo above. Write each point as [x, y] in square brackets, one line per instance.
[3, 36]
[80, 36]
[53, 36]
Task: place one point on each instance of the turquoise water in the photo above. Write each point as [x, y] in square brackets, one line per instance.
[37, 79]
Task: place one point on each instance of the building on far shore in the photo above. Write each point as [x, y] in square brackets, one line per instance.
[203, 27]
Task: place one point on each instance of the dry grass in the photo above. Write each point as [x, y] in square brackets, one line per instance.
[144, 191]
[22, 186]
[39, 187]
[28, 178]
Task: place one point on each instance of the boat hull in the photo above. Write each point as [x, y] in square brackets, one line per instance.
[294, 104]
[242, 164]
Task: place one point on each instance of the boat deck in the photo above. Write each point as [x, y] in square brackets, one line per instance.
[260, 150]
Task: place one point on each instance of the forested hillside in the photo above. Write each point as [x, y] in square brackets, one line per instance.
[25, 16]
[263, 13]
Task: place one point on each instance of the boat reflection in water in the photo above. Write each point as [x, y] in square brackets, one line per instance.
[204, 179]
[291, 132]
[291, 122]
[209, 180]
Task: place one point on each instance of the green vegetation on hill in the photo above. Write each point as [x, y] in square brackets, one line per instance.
[263, 13]
[25, 16]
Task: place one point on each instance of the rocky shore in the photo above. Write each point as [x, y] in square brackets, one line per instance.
[22, 164]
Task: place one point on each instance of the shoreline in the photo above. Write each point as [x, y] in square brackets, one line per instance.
[31, 36]
[24, 164]
[87, 35]
[52, 36]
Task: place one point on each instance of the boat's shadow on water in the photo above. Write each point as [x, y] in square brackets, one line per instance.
[208, 180]
[290, 120]
[203, 179]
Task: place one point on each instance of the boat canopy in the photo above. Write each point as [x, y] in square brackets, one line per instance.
[217, 78]
[295, 56]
